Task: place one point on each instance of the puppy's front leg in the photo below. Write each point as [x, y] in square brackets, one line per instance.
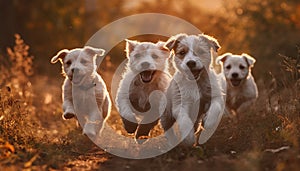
[129, 120]
[244, 106]
[212, 118]
[158, 104]
[167, 121]
[186, 125]
[68, 107]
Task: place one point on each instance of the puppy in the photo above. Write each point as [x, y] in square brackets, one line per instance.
[84, 92]
[194, 96]
[237, 79]
[140, 98]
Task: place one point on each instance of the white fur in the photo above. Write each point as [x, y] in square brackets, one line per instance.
[84, 92]
[193, 97]
[240, 96]
[135, 95]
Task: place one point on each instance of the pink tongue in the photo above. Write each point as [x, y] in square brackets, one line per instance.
[146, 76]
[76, 79]
[235, 82]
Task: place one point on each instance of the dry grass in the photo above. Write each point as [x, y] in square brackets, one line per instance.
[34, 136]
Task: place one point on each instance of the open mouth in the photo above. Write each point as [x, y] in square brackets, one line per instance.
[235, 82]
[76, 79]
[147, 75]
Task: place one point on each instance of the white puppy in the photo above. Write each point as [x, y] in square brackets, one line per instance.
[194, 96]
[237, 80]
[140, 98]
[84, 91]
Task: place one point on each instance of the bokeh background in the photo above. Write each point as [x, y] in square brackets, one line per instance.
[33, 136]
[263, 29]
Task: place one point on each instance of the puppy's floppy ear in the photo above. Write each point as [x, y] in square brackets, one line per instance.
[222, 58]
[249, 59]
[173, 41]
[170, 44]
[161, 46]
[214, 43]
[60, 56]
[94, 51]
[130, 45]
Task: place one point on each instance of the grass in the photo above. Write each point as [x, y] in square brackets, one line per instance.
[33, 136]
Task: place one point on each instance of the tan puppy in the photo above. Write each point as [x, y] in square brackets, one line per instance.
[84, 91]
[237, 79]
[194, 96]
[140, 97]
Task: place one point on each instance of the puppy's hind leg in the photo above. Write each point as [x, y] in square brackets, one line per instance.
[93, 124]
[144, 130]
[106, 113]
[130, 126]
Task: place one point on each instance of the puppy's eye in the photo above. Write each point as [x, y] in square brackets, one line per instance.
[228, 67]
[154, 56]
[182, 52]
[68, 62]
[83, 62]
[242, 67]
[137, 55]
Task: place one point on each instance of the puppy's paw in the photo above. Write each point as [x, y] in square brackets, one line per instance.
[90, 130]
[141, 140]
[68, 115]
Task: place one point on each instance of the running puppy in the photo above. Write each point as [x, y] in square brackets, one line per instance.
[84, 91]
[194, 96]
[238, 81]
[140, 97]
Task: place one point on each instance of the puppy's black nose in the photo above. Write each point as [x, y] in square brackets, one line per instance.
[74, 70]
[234, 75]
[145, 65]
[191, 64]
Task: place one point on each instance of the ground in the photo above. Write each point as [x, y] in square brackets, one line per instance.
[264, 138]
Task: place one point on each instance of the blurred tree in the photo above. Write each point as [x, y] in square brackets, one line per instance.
[7, 30]
[49, 26]
[262, 28]
[265, 28]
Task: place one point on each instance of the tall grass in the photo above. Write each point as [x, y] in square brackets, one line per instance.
[16, 91]
[17, 127]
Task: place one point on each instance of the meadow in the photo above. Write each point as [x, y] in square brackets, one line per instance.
[33, 135]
